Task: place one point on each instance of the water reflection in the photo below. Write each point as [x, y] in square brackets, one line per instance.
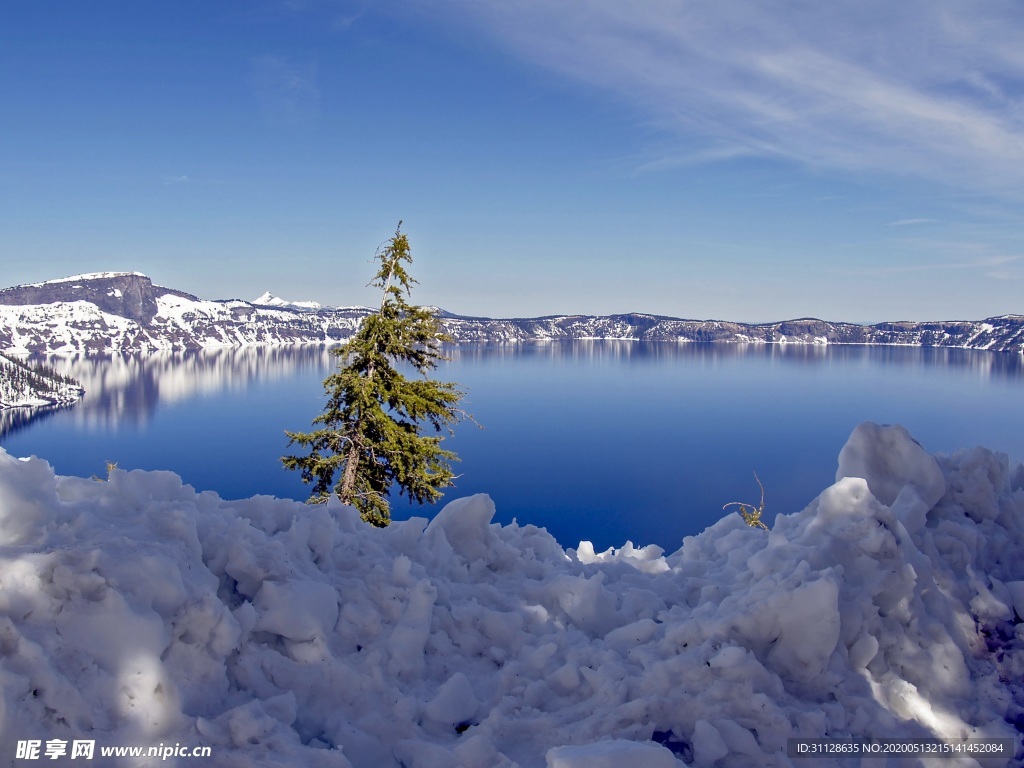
[985, 364]
[13, 420]
[128, 389]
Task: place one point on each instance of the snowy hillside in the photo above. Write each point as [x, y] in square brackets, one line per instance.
[137, 611]
[25, 385]
[126, 312]
[1001, 334]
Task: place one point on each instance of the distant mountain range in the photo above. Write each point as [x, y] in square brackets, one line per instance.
[125, 312]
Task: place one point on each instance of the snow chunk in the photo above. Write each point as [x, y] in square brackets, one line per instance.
[454, 703]
[1016, 590]
[648, 559]
[585, 602]
[298, 609]
[808, 625]
[615, 753]
[463, 523]
[708, 744]
[410, 635]
[27, 494]
[891, 460]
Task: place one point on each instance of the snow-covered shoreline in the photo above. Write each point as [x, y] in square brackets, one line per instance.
[135, 610]
[110, 312]
[34, 386]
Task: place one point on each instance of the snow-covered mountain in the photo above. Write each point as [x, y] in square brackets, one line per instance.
[125, 311]
[267, 299]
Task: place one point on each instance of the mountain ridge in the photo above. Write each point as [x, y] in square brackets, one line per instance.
[126, 312]
[127, 294]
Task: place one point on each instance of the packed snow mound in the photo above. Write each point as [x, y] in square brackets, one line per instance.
[134, 610]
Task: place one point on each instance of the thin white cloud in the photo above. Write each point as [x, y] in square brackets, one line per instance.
[699, 157]
[334, 16]
[910, 222]
[343, 23]
[1005, 274]
[920, 87]
[286, 90]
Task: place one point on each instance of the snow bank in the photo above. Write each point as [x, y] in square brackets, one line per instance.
[137, 611]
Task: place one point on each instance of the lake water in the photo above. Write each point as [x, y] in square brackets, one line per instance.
[603, 441]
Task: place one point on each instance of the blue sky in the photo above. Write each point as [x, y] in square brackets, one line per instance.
[852, 160]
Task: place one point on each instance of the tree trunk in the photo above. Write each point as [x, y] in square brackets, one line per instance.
[348, 480]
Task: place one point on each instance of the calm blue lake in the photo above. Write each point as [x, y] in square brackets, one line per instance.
[603, 441]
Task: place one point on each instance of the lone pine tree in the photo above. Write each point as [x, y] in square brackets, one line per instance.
[374, 417]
